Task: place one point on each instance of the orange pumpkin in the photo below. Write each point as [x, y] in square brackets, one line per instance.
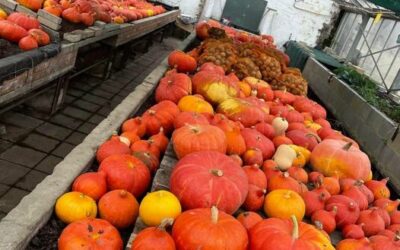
[119, 207]
[341, 159]
[91, 184]
[283, 181]
[173, 87]
[234, 139]
[195, 103]
[182, 61]
[213, 230]
[353, 244]
[114, 146]
[242, 110]
[287, 234]
[134, 125]
[161, 115]
[283, 203]
[146, 146]
[249, 219]
[90, 234]
[194, 138]
[154, 238]
[190, 118]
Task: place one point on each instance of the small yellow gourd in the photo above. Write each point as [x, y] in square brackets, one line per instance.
[284, 157]
[302, 156]
[280, 125]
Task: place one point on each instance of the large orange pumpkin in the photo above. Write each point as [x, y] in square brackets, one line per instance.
[194, 138]
[341, 159]
[154, 238]
[173, 87]
[242, 110]
[208, 178]
[208, 229]
[195, 103]
[126, 172]
[90, 234]
[161, 115]
[182, 61]
[287, 234]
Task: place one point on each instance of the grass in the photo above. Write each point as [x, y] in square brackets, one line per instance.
[368, 89]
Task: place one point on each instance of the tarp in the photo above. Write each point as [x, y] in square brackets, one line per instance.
[393, 5]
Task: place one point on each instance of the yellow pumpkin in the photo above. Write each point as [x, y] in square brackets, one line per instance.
[75, 206]
[283, 203]
[312, 125]
[157, 206]
[302, 156]
[195, 103]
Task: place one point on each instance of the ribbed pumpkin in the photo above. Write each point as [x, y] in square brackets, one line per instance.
[173, 87]
[154, 238]
[194, 138]
[161, 115]
[150, 160]
[234, 139]
[135, 125]
[111, 147]
[25, 21]
[11, 31]
[74, 206]
[181, 61]
[283, 203]
[338, 158]
[92, 184]
[195, 103]
[160, 140]
[146, 146]
[249, 219]
[287, 234]
[255, 139]
[119, 207]
[90, 234]
[241, 110]
[209, 229]
[40, 36]
[126, 172]
[190, 118]
[208, 178]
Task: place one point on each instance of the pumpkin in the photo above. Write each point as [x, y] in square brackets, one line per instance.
[41, 37]
[303, 138]
[302, 156]
[253, 156]
[207, 178]
[255, 198]
[280, 125]
[284, 157]
[281, 140]
[158, 206]
[173, 87]
[354, 244]
[353, 231]
[190, 118]
[237, 159]
[213, 87]
[87, 19]
[298, 174]
[341, 137]
[150, 160]
[213, 230]
[134, 125]
[347, 209]
[146, 146]
[358, 196]
[28, 43]
[293, 116]
[371, 221]
[235, 143]
[92, 184]
[255, 139]
[383, 214]
[337, 158]
[283, 181]
[111, 147]
[347, 183]
[256, 176]
[395, 217]
[249, 219]
[72, 14]
[129, 136]
[266, 129]
[304, 104]
[379, 242]
[212, 68]
[196, 104]
[90, 234]
[324, 220]
[126, 172]
[282, 234]
[181, 61]
[194, 138]
[161, 115]
[25, 21]
[241, 110]
[3, 14]
[283, 203]
[270, 169]
[154, 238]
[314, 201]
[119, 207]
[54, 10]
[160, 140]
[11, 31]
[331, 184]
[389, 205]
[378, 188]
[74, 206]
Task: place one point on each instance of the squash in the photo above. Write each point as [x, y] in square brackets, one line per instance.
[282, 180]
[253, 156]
[255, 139]
[25, 21]
[150, 160]
[242, 111]
[146, 146]
[28, 43]
[158, 206]
[160, 140]
[249, 219]
[181, 61]
[92, 184]
[347, 209]
[213, 230]
[154, 238]
[41, 37]
[195, 103]
[90, 234]
[207, 178]
[284, 157]
[11, 31]
[34, 5]
[284, 203]
[378, 188]
[119, 207]
[173, 87]
[194, 138]
[287, 234]
[280, 125]
[134, 125]
[114, 146]
[354, 244]
[302, 156]
[74, 206]
[161, 115]
[190, 118]
[3, 14]
[337, 158]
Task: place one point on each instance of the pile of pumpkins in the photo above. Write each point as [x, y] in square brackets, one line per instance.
[22, 29]
[270, 158]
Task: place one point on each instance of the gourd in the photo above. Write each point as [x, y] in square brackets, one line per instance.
[280, 125]
[284, 157]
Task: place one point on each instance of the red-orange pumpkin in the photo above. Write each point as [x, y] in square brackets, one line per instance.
[303, 138]
[160, 140]
[255, 139]
[253, 156]
[283, 181]
[154, 238]
[25, 21]
[234, 139]
[119, 207]
[347, 209]
[28, 43]
[161, 115]
[266, 129]
[90, 234]
[11, 31]
[190, 118]
[146, 146]
[126, 172]
[112, 147]
[173, 87]
[337, 158]
[41, 37]
[135, 125]
[181, 61]
[208, 178]
[249, 219]
[148, 159]
[353, 244]
[255, 198]
[208, 229]
[92, 184]
[194, 138]
[242, 110]
[303, 104]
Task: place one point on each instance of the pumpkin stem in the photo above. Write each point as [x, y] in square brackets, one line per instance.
[217, 172]
[347, 146]
[214, 214]
[318, 225]
[295, 232]
[165, 223]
